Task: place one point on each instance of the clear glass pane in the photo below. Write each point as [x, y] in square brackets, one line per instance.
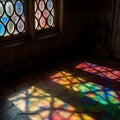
[9, 8]
[41, 5]
[1, 9]
[38, 14]
[15, 18]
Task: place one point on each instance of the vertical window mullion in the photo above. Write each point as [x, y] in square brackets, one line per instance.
[31, 18]
[58, 14]
[26, 9]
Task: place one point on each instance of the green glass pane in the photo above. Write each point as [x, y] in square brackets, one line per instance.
[10, 27]
[50, 20]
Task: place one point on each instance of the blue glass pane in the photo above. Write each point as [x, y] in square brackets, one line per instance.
[2, 29]
[4, 19]
[19, 7]
[49, 5]
[20, 26]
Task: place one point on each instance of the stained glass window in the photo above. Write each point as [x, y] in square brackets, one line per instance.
[12, 18]
[44, 14]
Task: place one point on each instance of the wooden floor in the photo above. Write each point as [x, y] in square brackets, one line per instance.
[74, 89]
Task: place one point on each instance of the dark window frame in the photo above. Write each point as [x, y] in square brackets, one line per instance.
[31, 33]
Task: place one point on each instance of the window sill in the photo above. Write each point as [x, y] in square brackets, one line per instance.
[28, 39]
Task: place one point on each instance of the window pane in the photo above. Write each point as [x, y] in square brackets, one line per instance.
[44, 14]
[12, 18]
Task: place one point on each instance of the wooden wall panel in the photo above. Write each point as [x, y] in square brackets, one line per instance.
[75, 22]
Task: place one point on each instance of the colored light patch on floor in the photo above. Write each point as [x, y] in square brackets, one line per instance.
[66, 79]
[41, 105]
[98, 93]
[99, 70]
[93, 91]
[80, 117]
